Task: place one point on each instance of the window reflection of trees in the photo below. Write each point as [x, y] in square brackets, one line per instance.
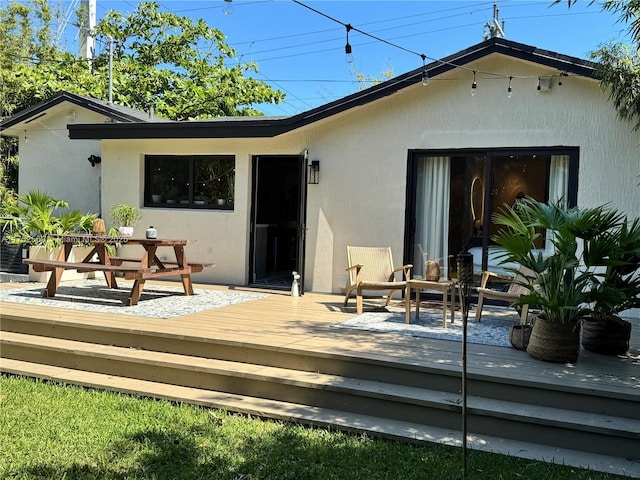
[190, 181]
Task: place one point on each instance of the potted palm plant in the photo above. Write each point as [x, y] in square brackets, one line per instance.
[615, 288]
[125, 217]
[560, 281]
[34, 221]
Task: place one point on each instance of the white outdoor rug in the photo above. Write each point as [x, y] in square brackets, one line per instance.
[493, 328]
[157, 301]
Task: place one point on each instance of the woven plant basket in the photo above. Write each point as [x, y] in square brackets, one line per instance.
[608, 337]
[519, 336]
[554, 342]
[432, 271]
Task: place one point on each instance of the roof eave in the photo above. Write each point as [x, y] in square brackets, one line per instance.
[40, 108]
[268, 127]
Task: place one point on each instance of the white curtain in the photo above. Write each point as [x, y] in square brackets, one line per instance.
[558, 185]
[432, 213]
[558, 175]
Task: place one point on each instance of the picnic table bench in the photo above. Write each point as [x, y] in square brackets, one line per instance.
[137, 269]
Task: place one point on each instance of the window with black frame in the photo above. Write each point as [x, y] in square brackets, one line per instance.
[190, 181]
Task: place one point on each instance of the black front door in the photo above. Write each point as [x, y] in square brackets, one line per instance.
[277, 220]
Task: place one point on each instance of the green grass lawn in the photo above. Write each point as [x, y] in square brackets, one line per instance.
[61, 432]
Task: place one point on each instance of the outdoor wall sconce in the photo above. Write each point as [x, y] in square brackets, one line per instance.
[314, 172]
[93, 159]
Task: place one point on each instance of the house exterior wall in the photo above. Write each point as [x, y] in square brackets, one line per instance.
[49, 161]
[363, 156]
[222, 236]
[363, 153]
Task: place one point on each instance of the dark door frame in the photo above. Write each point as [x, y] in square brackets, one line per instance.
[490, 153]
[301, 214]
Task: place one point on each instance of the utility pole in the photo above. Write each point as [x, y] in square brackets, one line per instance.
[110, 69]
[87, 28]
[493, 29]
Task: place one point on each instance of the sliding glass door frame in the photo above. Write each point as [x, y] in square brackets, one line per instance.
[573, 154]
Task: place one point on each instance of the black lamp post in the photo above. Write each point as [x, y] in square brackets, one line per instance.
[465, 280]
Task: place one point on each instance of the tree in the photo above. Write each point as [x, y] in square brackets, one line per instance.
[181, 68]
[619, 72]
[365, 81]
[619, 64]
[177, 66]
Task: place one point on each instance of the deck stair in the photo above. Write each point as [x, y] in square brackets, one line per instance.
[392, 398]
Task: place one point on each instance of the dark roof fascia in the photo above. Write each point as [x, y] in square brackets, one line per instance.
[262, 127]
[86, 102]
[222, 128]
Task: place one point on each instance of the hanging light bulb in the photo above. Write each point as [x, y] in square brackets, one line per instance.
[227, 9]
[425, 77]
[425, 74]
[474, 85]
[348, 56]
[509, 89]
[538, 87]
[26, 138]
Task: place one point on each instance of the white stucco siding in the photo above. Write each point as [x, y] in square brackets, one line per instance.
[51, 162]
[363, 153]
[222, 236]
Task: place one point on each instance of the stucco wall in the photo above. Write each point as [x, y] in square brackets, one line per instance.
[51, 162]
[363, 153]
[363, 160]
[222, 236]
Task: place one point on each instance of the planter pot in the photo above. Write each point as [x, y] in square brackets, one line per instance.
[607, 337]
[125, 231]
[519, 336]
[554, 342]
[78, 253]
[432, 271]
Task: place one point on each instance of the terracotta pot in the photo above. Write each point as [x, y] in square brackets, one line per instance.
[554, 342]
[606, 337]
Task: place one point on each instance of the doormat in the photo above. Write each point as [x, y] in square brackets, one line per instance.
[493, 328]
[157, 301]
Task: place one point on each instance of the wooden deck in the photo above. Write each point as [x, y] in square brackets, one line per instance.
[289, 326]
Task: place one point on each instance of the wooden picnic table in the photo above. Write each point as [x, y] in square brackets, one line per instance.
[149, 265]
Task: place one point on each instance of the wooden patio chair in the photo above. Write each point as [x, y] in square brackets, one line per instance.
[514, 292]
[371, 268]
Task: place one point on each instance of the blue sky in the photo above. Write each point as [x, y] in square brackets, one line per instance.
[301, 51]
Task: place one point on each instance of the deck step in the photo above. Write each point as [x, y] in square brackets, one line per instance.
[444, 378]
[322, 417]
[427, 407]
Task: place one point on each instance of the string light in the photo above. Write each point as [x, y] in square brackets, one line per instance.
[26, 139]
[227, 9]
[425, 74]
[348, 56]
[538, 87]
[474, 85]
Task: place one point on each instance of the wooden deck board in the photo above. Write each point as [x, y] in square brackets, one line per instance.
[304, 323]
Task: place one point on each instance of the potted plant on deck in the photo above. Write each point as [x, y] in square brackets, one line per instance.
[125, 217]
[560, 282]
[33, 223]
[615, 288]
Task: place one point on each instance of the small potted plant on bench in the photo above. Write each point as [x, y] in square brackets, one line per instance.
[125, 217]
